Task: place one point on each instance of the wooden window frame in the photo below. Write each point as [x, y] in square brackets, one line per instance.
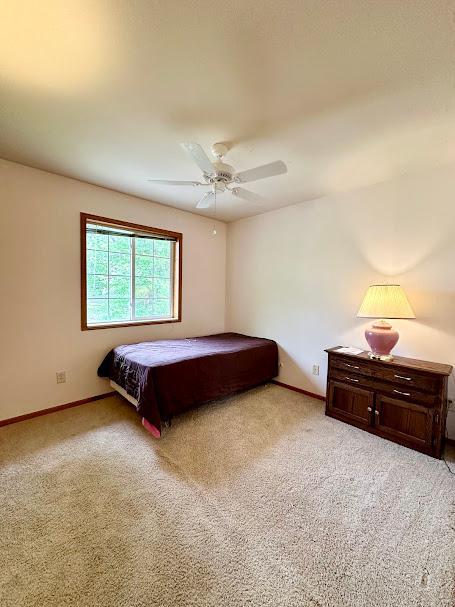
[177, 298]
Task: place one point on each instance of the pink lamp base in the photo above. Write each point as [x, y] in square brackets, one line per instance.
[382, 339]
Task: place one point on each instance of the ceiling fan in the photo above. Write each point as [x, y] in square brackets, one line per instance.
[221, 176]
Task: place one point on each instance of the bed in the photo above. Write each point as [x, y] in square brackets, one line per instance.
[166, 377]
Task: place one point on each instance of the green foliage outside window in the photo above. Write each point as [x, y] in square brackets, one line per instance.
[113, 293]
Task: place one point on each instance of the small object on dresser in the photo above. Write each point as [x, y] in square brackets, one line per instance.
[349, 350]
[404, 401]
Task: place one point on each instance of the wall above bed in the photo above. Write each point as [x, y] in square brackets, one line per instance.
[40, 270]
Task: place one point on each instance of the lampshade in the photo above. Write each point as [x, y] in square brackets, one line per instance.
[385, 301]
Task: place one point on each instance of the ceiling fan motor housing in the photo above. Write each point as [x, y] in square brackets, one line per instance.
[223, 173]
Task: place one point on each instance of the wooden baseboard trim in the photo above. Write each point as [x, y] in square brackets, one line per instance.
[76, 403]
[300, 390]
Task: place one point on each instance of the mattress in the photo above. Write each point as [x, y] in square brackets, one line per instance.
[123, 393]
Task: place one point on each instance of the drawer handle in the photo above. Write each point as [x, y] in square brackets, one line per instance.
[351, 366]
[351, 379]
[403, 377]
[403, 393]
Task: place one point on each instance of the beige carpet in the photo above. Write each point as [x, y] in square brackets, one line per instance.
[259, 500]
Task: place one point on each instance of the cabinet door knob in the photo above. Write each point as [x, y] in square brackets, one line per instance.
[376, 412]
[369, 409]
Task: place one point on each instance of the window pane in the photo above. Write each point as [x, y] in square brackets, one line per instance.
[97, 262]
[119, 286]
[119, 309]
[120, 264]
[144, 266]
[120, 244]
[96, 285]
[162, 248]
[144, 246]
[161, 288]
[162, 267]
[97, 310]
[144, 308]
[144, 287]
[161, 307]
[97, 241]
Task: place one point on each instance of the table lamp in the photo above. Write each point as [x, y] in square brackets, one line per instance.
[384, 302]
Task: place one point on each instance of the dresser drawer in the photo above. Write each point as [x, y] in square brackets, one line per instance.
[351, 366]
[406, 393]
[352, 376]
[410, 380]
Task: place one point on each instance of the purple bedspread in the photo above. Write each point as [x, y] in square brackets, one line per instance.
[169, 376]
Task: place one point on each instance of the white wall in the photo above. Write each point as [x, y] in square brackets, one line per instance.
[40, 285]
[298, 274]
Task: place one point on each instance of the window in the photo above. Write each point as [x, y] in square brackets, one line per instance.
[130, 274]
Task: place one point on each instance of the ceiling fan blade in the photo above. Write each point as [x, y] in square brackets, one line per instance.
[206, 201]
[173, 182]
[199, 157]
[266, 170]
[247, 195]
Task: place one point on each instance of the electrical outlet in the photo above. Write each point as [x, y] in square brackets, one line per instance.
[61, 377]
[315, 369]
[451, 404]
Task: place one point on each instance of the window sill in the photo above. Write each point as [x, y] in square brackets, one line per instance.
[133, 323]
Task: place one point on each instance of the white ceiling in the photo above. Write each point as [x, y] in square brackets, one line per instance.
[347, 93]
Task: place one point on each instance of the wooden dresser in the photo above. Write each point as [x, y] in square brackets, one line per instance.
[404, 400]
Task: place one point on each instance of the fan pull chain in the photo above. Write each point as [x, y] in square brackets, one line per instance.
[214, 225]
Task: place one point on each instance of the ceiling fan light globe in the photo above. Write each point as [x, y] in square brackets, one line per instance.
[219, 150]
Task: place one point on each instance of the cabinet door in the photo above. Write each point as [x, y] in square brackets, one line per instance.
[404, 422]
[350, 403]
